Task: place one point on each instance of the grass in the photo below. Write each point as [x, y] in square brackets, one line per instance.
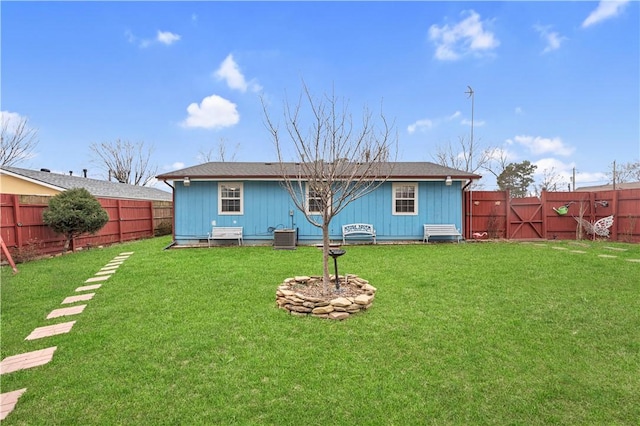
[486, 333]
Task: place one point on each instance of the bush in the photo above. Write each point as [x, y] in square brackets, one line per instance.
[73, 213]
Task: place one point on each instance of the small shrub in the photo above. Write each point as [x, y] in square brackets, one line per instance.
[28, 252]
[164, 228]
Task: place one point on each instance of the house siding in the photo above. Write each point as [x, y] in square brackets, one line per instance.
[267, 206]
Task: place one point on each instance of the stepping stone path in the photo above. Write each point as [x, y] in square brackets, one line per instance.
[80, 298]
[63, 312]
[26, 360]
[50, 330]
[603, 256]
[8, 402]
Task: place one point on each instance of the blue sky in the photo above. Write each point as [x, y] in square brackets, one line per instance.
[556, 83]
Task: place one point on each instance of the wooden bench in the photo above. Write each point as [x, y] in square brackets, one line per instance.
[225, 233]
[358, 230]
[440, 230]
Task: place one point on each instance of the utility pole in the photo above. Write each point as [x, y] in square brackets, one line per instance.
[573, 179]
[614, 175]
[471, 93]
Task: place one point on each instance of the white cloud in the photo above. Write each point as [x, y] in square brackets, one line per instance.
[454, 115]
[177, 165]
[476, 123]
[166, 37]
[421, 125]
[549, 164]
[606, 9]
[230, 73]
[10, 120]
[552, 39]
[213, 112]
[538, 145]
[519, 111]
[466, 37]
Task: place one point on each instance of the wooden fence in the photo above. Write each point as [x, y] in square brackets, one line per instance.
[25, 234]
[500, 216]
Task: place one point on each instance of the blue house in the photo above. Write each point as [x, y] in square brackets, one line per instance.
[251, 195]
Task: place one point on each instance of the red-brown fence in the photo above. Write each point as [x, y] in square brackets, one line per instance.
[25, 234]
[500, 216]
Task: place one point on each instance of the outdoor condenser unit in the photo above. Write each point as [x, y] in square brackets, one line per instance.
[284, 239]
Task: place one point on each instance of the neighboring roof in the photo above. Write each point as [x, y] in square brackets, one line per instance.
[97, 188]
[625, 185]
[238, 170]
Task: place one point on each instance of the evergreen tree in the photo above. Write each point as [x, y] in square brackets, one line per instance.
[516, 178]
[74, 212]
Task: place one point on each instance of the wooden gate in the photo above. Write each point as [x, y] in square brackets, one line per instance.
[525, 219]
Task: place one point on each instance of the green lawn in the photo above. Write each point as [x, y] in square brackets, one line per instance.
[486, 333]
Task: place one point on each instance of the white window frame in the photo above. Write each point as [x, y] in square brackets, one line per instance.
[394, 186]
[239, 185]
[307, 202]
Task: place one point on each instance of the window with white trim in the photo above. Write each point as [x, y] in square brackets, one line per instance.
[230, 198]
[314, 201]
[405, 198]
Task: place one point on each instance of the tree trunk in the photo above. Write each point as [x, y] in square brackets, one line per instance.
[326, 279]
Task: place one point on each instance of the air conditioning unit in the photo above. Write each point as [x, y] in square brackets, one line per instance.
[284, 239]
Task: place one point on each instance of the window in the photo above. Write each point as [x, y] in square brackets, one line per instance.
[405, 198]
[314, 201]
[230, 198]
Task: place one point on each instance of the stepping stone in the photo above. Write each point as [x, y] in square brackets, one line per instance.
[50, 330]
[79, 298]
[539, 245]
[110, 271]
[109, 267]
[121, 258]
[94, 279]
[559, 248]
[579, 244]
[26, 360]
[8, 402]
[126, 253]
[616, 248]
[66, 311]
[89, 287]
[115, 262]
[578, 251]
[633, 260]
[607, 256]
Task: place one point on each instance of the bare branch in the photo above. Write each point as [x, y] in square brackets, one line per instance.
[125, 161]
[334, 159]
[17, 139]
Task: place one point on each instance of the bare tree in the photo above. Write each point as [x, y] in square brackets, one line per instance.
[17, 140]
[464, 156]
[337, 162]
[551, 181]
[127, 162]
[219, 152]
[625, 172]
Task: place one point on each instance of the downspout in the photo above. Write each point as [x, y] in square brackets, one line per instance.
[173, 219]
[470, 206]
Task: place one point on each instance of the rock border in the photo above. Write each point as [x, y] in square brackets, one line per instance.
[290, 297]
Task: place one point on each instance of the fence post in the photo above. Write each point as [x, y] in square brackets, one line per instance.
[152, 218]
[17, 219]
[616, 219]
[507, 214]
[543, 207]
[120, 233]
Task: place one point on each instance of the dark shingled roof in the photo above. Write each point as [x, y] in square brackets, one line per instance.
[239, 170]
[97, 188]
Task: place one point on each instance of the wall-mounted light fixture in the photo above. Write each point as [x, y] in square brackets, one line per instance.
[448, 181]
[186, 181]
